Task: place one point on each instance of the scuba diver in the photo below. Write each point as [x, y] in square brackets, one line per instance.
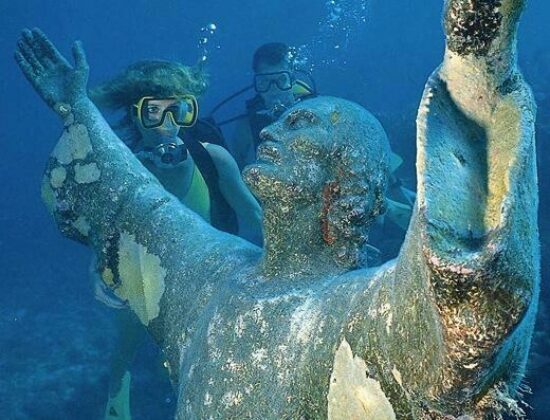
[277, 88]
[160, 127]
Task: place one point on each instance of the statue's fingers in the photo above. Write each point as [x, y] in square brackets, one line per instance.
[24, 65]
[47, 48]
[35, 46]
[29, 39]
[26, 34]
[27, 52]
[80, 56]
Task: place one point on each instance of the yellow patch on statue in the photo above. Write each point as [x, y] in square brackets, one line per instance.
[504, 137]
[86, 174]
[74, 144]
[108, 277]
[82, 226]
[351, 394]
[58, 176]
[141, 278]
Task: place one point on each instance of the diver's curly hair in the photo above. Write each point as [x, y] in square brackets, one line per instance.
[355, 194]
[147, 78]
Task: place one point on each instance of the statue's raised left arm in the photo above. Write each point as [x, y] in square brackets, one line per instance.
[463, 296]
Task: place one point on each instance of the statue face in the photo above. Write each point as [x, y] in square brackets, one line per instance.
[292, 159]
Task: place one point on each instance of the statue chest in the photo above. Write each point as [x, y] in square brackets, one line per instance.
[261, 355]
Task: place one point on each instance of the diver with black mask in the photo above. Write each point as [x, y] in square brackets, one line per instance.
[278, 86]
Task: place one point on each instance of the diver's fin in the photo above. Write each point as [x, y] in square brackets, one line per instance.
[395, 161]
[301, 89]
[410, 195]
[118, 406]
[399, 213]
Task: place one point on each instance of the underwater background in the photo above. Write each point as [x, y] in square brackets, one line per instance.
[55, 338]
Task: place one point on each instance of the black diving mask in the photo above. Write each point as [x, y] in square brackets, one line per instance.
[282, 79]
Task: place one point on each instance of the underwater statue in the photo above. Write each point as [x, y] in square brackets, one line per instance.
[301, 329]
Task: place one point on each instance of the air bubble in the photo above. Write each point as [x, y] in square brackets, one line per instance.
[207, 32]
[343, 20]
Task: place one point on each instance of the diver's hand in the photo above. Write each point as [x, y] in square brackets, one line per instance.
[51, 75]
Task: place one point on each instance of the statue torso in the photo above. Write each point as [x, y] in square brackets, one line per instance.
[266, 349]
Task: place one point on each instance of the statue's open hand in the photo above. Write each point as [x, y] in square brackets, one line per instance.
[55, 80]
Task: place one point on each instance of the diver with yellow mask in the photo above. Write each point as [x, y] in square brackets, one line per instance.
[160, 126]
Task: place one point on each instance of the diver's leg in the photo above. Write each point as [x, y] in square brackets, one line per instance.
[131, 335]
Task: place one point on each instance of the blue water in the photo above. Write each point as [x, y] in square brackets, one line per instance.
[54, 338]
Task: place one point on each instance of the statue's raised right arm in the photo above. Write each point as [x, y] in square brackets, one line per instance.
[101, 195]
[469, 269]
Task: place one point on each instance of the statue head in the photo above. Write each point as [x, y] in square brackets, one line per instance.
[329, 155]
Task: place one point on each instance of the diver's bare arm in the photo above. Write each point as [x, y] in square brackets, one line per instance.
[472, 246]
[237, 194]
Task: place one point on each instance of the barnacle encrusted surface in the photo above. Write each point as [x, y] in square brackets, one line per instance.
[472, 25]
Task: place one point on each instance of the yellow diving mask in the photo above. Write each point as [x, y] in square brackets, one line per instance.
[152, 111]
